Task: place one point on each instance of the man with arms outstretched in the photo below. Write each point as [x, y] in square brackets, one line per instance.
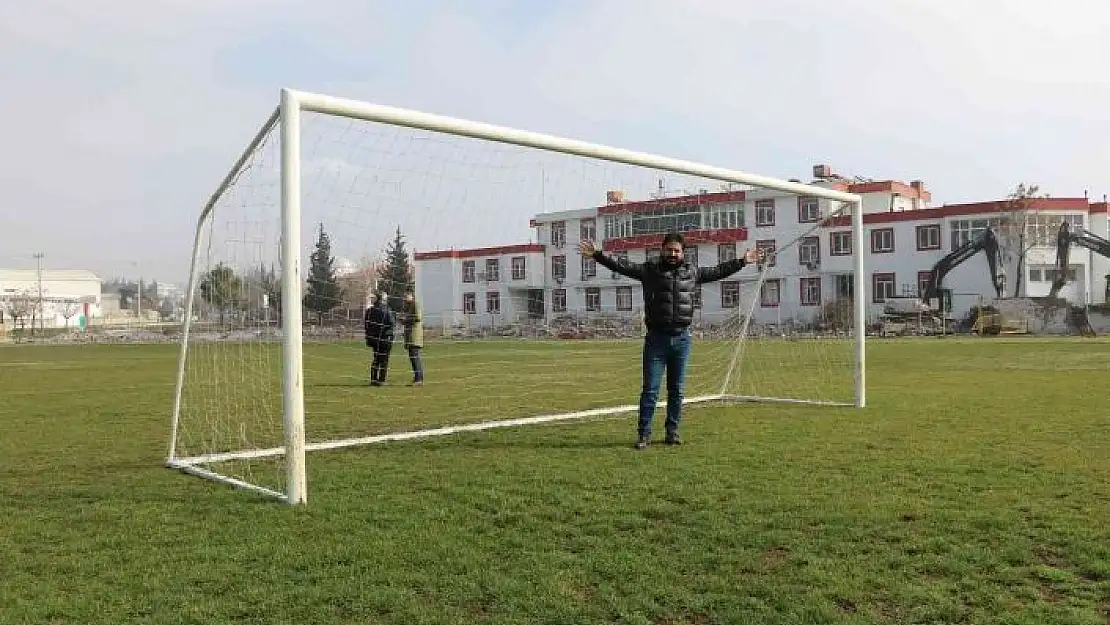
[669, 283]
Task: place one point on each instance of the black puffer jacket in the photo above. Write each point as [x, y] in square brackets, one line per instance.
[378, 324]
[669, 289]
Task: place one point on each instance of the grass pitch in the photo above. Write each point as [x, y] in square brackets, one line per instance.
[973, 489]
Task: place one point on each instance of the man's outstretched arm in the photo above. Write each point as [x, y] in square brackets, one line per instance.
[627, 268]
[729, 267]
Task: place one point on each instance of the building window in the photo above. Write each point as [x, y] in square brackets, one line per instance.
[726, 252]
[493, 269]
[558, 300]
[882, 240]
[809, 209]
[809, 251]
[882, 287]
[765, 212]
[593, 298]
[965, 230]
[519, 266]
[810, 291]
[470, 304]
[618, 226]
[769, 293]
[468, 271]
[767, 246]
[723, 217]
[493, 302]
[558, 234]
[624, 298]
[559, 267]
[844, 285]
[924, 279]
[928, 237]
[690, 254]
[587, 229]
[589, 267]
[730, 294]
[840, 243]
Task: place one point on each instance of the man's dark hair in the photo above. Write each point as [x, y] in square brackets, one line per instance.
[674, 237]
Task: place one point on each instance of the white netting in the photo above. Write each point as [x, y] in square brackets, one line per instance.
[551, 341]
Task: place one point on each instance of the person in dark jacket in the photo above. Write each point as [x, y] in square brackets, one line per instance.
[669, 284]
[378, 324]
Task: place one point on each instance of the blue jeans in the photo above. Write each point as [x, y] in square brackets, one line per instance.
[670, 352]
[417, 363]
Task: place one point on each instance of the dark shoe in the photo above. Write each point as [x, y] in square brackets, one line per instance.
[642, 443]
[673, 438]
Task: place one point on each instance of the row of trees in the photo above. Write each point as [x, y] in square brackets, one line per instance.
[258, 291]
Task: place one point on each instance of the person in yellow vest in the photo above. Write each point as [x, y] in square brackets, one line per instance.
[413, 322]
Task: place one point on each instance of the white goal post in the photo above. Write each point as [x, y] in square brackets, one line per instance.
[286, 119]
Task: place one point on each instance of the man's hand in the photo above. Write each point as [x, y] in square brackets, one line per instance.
[587, 248]
[755, 256]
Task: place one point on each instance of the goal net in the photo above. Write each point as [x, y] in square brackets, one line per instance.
[335, 203]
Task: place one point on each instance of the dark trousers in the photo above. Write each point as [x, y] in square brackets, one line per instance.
[663, 352]
[416, 362]
[380, 364]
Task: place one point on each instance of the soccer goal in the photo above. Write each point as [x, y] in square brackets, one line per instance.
[334, 201]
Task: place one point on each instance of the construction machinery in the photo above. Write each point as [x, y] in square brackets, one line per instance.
[1065, 238]
[986, 242]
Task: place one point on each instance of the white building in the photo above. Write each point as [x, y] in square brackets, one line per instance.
[68, 297]
[906, 237]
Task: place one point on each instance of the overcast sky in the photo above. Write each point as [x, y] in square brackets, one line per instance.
[120, 117]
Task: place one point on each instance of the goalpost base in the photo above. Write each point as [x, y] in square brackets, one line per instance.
[186, 465]
[194, 465]
[252, 454]
[781, 400]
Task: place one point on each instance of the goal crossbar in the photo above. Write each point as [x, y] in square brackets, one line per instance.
[287, 117]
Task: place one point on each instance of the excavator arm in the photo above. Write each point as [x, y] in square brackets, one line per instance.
[1065, 238]
[987, 243]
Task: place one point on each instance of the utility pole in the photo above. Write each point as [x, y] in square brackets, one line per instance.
[42, 311]
[139, 296]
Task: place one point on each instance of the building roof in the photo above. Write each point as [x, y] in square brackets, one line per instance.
[48, 275]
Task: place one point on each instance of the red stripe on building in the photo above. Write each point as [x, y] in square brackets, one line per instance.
[525, 248]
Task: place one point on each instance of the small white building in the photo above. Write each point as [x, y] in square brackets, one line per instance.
[812, 266]
[481, 287]
[53, 298]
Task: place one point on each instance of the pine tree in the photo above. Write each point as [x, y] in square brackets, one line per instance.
[396, 275]
[324, 292]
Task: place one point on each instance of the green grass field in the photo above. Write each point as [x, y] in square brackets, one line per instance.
[974, 488]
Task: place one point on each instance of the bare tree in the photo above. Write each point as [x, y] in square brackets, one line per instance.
[358, 284]
[21, 306]
[1021, 227]
[68, 310]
